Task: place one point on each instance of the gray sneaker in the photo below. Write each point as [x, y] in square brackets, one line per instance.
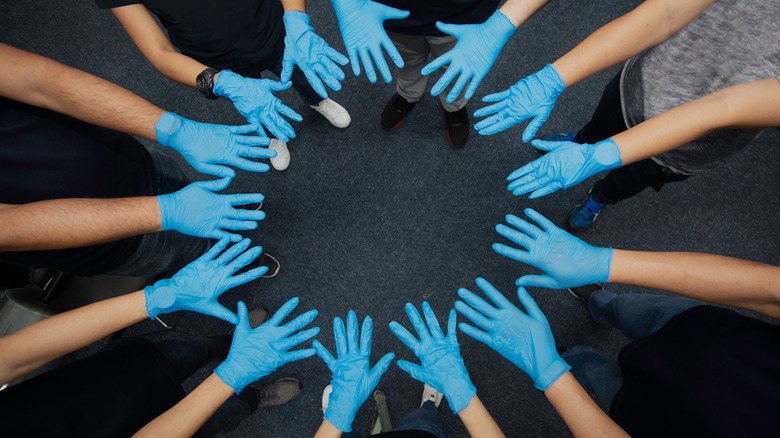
[257, 317]
[277, 393]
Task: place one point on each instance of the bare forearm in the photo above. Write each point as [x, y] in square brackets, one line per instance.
[753, 104]
[46, 83]
[70, 223]
[184, 419]
[579, 411]
[478, 421]
[327, 430]
[649, 24]
[519, 11]
[706, 277]
[155, 46]
[294, 5]
[36, 345]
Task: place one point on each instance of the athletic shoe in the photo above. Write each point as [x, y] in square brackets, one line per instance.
[584, 292]
[431, 395]
[257, 317]
[333, 112]
[395, 111]
[277, 393]
[269, 261]
[458, 127]
[561, 136]
[326, 397]
[584, 213]
[282, 159]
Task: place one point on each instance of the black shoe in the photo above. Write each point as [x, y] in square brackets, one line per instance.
[395, 111]
[277, 393]
[458, 127]
[270, 262]
[584, 292]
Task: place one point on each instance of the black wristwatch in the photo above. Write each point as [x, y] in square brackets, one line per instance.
[205, 83]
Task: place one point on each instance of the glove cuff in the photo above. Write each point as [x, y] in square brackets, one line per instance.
[558, 368]
[231, 378]
[151, 308]
[339, 421]
[465, 394]
[607, 154]
[166, 211]
[294, 17]
[503, 25]
[166, 127]
[605, 265]
[226, 83]
[159, 299]
[550, 77]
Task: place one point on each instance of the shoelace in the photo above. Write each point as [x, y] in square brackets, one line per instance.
[590, 207]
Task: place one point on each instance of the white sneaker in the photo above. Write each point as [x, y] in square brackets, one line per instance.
[326, 397]
[431, 395]
[335, 113]
[282, 158]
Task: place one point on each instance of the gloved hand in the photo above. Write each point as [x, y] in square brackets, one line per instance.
[472, 57]
[364, 35]
[352, 380]
[566, 260]
[253, 99]
[198, 286]
[197, 211]
[311, 53]
[441, 365]
[210, 148]
[259, 352]
[566, 165]
[526, 340]
[533, 96]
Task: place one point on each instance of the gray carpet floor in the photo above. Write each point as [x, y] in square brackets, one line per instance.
[368, 220]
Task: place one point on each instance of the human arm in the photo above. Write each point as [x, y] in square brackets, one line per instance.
[647, 25]
[478, 47]
[747, 105]
[254, 353]
[353, 380]
[361, 24]
[442, 367]
[196, 287]
[525, 339]
[304, 48]
[570, 262]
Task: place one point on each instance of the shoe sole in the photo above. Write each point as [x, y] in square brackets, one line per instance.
[271, 274]
[453, 144]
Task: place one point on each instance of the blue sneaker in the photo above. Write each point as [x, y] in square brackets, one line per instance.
[561, 136]
[584, 213]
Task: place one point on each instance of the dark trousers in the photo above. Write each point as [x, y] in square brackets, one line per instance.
[627, 181]
[186, 357]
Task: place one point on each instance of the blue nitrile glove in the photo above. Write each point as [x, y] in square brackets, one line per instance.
[531, 97]
[566, 260]
[440, 363]
[198, 211]
[472, 57]
[352, 379]
[566, 165]
[259, 352]
[253, 98]
[526, 340]
[364, 35]
[198, 286]
[311, 53]
[210, 148]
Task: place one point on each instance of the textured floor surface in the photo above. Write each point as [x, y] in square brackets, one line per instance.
[368, 220]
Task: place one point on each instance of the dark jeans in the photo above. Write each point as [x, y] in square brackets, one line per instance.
[627, 181]
[186, 357]
[637, 316]
[425, 418]
[166, 251]
[299, 82]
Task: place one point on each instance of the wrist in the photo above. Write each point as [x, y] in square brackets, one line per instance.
[166, 127]
[607, 154]
[166, 211]
[552, 373]
[460, 396]
[503, 24]
[159, 299]
[226, 82]
[294, 17]
[550, 76]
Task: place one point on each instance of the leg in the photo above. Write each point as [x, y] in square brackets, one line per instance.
[637, 315]
[229, 415]
[628, 181]
[607, 120]
[597, 374]
[440, 45]
[424, 418]
[410, 84]
[184, 357]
